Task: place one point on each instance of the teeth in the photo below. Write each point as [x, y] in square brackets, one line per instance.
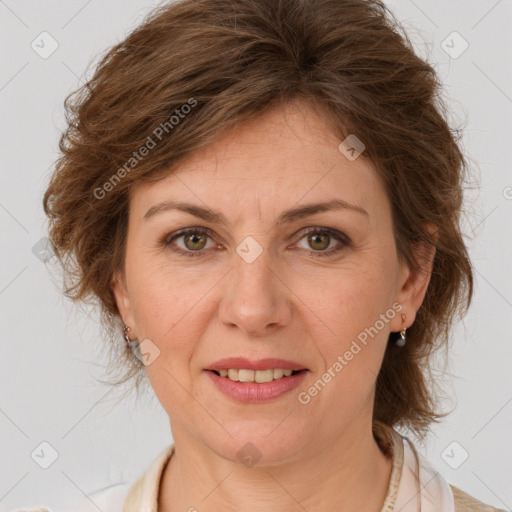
[278, 373]
[264, 376]
[246, 375]
[259, 376]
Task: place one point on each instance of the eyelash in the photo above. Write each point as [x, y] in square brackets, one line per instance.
[340, 237]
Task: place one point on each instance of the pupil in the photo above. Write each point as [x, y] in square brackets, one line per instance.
[194, 240]
[316, 238]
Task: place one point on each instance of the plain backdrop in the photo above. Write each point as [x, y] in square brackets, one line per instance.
[51, 352]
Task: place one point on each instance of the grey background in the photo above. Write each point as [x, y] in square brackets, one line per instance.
[52, 352]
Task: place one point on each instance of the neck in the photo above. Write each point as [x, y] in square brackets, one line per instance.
[350, 473]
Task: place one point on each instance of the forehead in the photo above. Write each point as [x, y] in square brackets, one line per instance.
[285, 156]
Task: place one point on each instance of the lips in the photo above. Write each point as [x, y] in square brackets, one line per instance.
[261, 364]
[254, 392]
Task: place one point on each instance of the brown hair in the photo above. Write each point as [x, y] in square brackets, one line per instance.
[229, 60]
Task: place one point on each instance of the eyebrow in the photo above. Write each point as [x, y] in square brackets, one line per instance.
[287, 216]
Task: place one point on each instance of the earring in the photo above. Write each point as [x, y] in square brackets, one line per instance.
[402, 340]
[126, 330]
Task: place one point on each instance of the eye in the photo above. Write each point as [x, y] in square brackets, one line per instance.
[194, 240]
[320, 239]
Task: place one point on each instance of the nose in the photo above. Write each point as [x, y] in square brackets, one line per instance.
[255, 299]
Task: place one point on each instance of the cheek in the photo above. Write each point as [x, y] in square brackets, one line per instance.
[351, 299]
[169, 309]
[355, 312]
[164, 296]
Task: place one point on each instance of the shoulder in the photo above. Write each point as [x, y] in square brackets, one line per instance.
[135, 496]
[109, 499]
[466, 503]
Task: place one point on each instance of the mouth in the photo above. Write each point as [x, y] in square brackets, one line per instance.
[256, 381]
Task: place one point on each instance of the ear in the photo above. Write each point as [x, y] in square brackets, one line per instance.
[122, 297]
[412, 285]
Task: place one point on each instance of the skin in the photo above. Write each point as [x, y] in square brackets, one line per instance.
[287, 303]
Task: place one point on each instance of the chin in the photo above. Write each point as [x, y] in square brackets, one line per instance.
[259, 443]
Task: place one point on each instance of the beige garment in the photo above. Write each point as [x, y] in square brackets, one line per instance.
[143, 494]
[393, 445]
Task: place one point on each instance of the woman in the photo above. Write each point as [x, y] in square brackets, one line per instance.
[264, 196]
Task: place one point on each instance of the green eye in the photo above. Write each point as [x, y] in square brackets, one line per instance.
[319, 239]
[194, 241]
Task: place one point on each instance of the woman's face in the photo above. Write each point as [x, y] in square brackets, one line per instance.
[255, 288]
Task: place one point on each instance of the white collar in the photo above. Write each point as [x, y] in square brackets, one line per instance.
[421, 487]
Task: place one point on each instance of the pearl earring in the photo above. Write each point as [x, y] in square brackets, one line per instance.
[126, 330]
[402, 340]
